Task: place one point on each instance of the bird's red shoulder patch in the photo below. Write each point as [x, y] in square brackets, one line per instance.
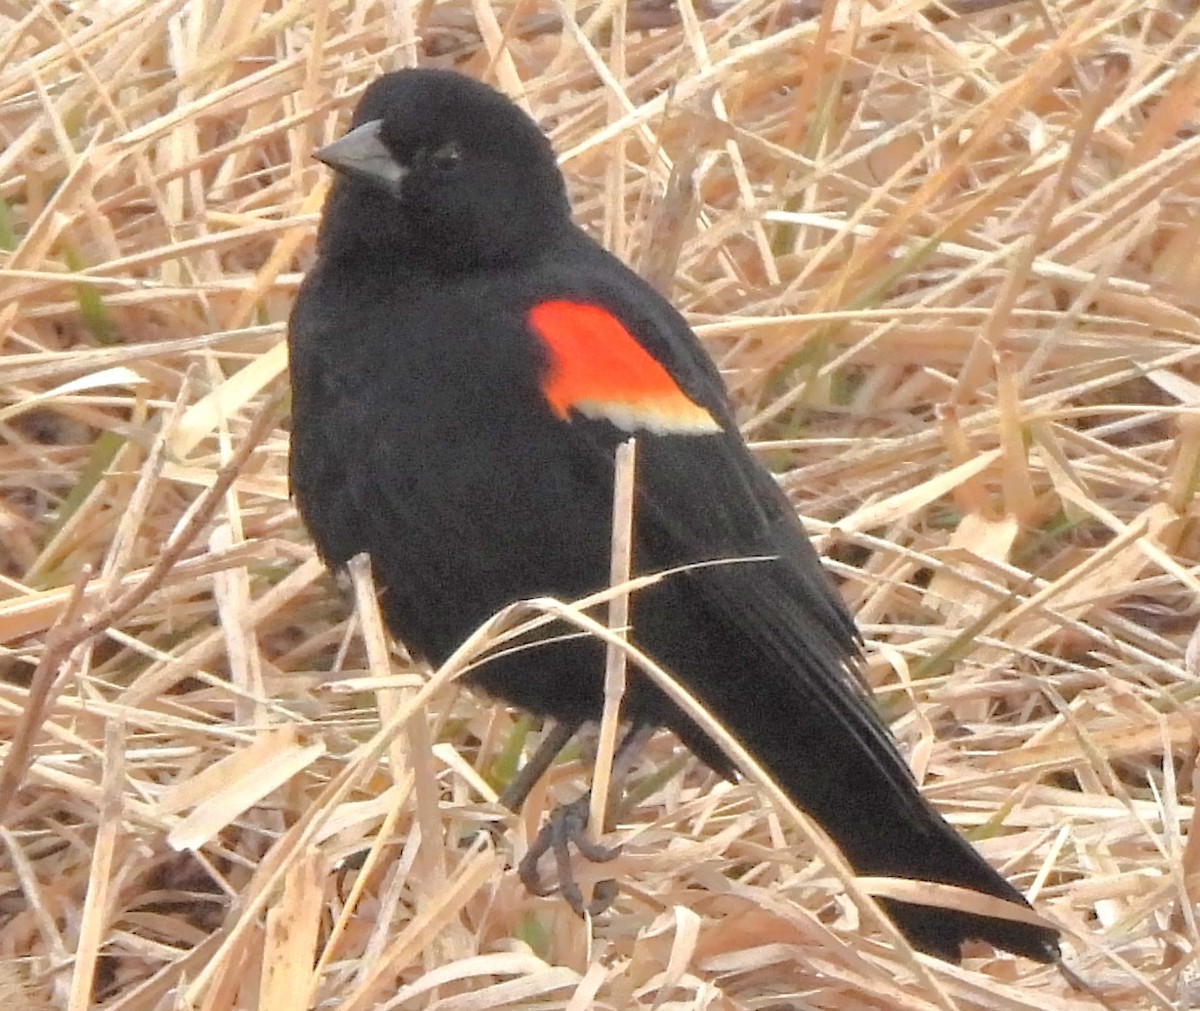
[598, 369]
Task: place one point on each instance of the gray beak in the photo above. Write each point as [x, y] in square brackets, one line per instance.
[361, 153]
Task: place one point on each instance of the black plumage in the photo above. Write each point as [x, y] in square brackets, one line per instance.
[425, 433]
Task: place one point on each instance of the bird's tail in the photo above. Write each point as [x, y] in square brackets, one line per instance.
[884, 827]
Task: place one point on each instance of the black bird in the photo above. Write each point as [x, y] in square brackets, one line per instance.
[464, 361]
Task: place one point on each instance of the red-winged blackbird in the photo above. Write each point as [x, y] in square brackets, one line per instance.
[464, 361]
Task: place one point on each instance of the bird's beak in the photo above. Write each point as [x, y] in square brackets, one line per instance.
[362, 154]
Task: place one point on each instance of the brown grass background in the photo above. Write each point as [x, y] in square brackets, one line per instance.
[949, 266]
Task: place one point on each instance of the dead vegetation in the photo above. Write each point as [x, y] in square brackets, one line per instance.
[950, 268]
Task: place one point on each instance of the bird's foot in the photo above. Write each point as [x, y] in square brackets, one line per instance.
[567, 827]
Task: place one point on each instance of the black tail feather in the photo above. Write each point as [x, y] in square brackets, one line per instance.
[884, 831]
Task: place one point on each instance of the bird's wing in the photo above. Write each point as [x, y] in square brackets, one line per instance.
[701, 496]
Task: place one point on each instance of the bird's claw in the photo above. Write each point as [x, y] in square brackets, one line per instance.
[567, 827]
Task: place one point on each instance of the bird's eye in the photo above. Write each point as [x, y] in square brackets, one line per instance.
[446, 157]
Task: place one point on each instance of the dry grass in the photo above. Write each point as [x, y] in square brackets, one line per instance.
[950, 268]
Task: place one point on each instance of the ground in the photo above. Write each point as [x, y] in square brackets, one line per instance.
[949, 267]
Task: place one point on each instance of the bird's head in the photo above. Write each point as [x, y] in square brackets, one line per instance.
[443, 171]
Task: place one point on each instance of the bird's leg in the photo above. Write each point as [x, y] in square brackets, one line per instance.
[518, 788]
[567, 826]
